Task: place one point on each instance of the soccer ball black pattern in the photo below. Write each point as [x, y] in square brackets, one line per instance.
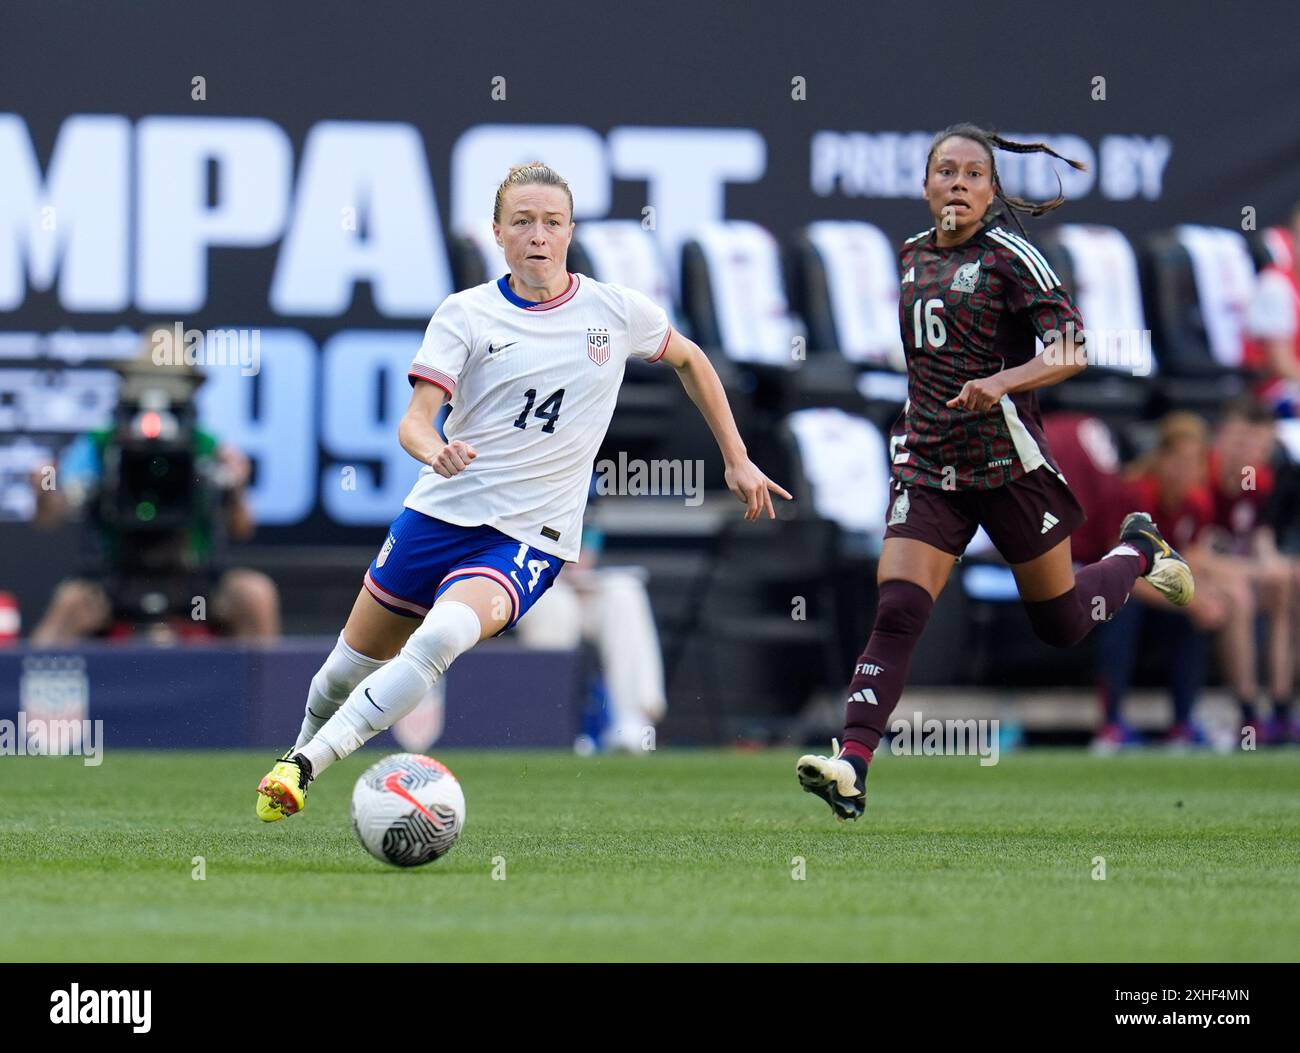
[408, 810]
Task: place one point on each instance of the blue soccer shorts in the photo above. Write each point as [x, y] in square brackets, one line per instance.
[423, 557]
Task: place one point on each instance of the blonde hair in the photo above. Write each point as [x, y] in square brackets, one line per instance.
[1174, 428]
[535, 173]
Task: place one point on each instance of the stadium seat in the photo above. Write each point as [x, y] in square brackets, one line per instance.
[734, 294]
[844, 281]
[1098, 266]
[623, 252]
[844, 284]
[1200, 280]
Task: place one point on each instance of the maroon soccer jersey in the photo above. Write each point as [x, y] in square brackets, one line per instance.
[967, 312]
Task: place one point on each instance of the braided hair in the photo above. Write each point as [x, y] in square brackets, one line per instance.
[1006, 204]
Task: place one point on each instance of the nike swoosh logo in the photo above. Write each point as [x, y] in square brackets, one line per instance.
[372, 701]
[393, 784]
[500, 347]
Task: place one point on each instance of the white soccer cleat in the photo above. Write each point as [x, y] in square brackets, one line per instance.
[1169, 572]
[835, 781]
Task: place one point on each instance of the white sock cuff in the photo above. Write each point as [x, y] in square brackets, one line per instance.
[450, 629]
[356, 656]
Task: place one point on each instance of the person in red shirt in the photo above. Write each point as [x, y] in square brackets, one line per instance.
[1272, 345]
[1240, 551]
[1170, 481]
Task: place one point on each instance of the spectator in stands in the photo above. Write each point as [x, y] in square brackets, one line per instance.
[1240, 551]
[1272, 347]
[1170, 481]
[126, 481]
[607, 607]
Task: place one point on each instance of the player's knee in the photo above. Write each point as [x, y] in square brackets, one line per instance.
[1062, 621]
[449, 630]
[903, 608]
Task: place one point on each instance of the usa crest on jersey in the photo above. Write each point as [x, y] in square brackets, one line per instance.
[383, 552]
[598, 345]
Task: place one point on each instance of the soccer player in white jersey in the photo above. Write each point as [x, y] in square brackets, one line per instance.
[532, 365]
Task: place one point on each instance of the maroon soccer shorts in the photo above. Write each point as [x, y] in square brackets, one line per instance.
[1024, 518]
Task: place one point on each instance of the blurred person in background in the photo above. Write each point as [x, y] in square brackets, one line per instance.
[1272, 345]
[1171, 482]
[1240, 550]
[608, 608]
[160, 497]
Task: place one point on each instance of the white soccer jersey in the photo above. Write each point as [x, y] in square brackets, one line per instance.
[533, 387]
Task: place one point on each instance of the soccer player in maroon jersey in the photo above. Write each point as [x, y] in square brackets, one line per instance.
[968, 450]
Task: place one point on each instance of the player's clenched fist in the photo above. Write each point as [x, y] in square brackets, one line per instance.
[982, 394]
[453, 458]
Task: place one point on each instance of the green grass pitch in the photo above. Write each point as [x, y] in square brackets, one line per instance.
[677, 856]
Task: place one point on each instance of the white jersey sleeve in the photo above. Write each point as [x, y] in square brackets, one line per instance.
[648, 327]
[446, 346]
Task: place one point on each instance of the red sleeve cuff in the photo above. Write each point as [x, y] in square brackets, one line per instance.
[433, 376]
[663, 346]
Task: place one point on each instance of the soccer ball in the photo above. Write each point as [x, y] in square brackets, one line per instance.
[408, 810]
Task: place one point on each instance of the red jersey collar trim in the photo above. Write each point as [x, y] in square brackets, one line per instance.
[570, 291]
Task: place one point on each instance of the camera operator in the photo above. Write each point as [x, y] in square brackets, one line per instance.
[160, 497]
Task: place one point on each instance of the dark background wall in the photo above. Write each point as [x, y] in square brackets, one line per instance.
[1217, 88]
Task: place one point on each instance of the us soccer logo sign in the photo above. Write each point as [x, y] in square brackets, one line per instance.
[598, 345]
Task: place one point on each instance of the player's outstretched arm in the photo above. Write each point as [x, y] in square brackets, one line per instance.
[420, 438]
[700, 379]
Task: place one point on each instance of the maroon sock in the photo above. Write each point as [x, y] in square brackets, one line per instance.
[1100, 590]
[901, 614]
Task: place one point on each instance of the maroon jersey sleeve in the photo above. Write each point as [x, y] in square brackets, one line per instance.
[1032, 286]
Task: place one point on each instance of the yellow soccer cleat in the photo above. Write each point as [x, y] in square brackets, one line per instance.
[283, 790]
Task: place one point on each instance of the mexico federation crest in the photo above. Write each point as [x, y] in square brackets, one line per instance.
[598, 345]
[383, 552]
[965, 277]
[899, 512]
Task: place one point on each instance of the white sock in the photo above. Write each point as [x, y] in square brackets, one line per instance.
[343, 670]
[388, 694]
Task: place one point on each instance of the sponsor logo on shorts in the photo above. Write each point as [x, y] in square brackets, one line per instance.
[383, 552]
[899, 513]
[1049, 521]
